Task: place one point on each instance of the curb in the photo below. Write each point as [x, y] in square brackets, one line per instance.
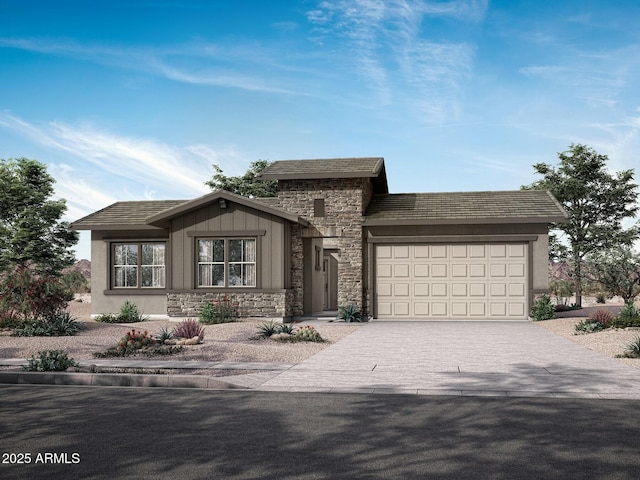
[115, 380]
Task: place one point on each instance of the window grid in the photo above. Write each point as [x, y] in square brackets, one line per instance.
[139, 265]
[227, 262]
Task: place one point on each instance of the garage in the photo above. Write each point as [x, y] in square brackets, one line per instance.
[463, 281]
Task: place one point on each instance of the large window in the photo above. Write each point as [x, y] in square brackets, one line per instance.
[227, 262]
[139, 265]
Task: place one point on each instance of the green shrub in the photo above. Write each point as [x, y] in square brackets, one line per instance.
[633, 348]
[57, 324]
[601, 298]
[588, 326]
[625, 323]
[221, 310]
[164, 335]
[543, 309]
[350, 313]
[629, 312]
[129, 313]
[50, 361]
[189, 329]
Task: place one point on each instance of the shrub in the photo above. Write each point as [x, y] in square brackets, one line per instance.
[308, 334]
[28, 295]
[588, 326]
[601, 298]
[603, 317]
[133, 341]
[350, 313]
[629, 312]
[221, 310]
[129, 313]
[189, 329]
[543, 309]
[50, 361]
[58, 324]
[633, 348]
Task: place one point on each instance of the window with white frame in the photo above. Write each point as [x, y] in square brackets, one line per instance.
[139, 265]
[227, 262]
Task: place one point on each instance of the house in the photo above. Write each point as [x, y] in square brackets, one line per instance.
[334, 236]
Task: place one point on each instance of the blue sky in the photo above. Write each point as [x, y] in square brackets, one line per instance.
[128, 100]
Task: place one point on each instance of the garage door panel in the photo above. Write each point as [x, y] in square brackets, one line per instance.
[457, 281]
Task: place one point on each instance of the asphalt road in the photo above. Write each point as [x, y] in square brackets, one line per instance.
[183, 434]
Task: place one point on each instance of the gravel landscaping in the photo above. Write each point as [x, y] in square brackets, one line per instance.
[233, 341]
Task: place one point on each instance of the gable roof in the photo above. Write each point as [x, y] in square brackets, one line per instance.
[517, 206]
[166, 215]
[327, 168]
[154, 214]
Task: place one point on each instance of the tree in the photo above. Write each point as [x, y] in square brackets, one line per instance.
[248, 185]
[597, 202]
[31, 232]
[617, 270]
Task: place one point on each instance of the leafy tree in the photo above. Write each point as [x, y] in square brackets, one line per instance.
[248, 185]
[617, 270]
[597, 202]
[31, 233]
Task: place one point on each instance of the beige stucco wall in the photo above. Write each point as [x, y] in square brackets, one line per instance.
[102, 301]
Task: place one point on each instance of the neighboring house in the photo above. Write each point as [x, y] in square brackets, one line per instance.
[334, 236]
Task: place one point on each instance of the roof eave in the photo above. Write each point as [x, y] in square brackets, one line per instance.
[461, 221]
[115, 226]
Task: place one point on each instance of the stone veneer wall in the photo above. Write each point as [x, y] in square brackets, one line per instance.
[345, 202]
[250, 304]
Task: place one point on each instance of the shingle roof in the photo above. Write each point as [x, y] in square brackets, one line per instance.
[122, 214]
[323, 168]
[521, 206]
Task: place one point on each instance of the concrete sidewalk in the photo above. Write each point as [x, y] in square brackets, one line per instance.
[425, 358]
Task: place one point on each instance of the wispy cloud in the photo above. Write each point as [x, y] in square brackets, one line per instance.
[114, 163]
[214, 65]
[393, 52]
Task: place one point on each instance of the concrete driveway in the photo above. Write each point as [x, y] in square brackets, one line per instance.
[457, 358]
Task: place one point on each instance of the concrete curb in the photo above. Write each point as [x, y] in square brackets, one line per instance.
[114, 380]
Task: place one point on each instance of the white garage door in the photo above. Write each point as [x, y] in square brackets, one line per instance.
[457, 281]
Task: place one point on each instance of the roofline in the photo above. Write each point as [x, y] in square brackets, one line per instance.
[307, 176]
[178, 210]
[462, 221]
[115, 226]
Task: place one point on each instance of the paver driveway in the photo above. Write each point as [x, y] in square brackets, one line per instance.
[459, 358]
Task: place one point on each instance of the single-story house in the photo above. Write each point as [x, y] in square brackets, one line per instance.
[334, 236]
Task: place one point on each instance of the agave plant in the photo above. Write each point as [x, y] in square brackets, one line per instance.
[350, 313]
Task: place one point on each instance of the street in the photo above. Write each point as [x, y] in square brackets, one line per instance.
[96, 432]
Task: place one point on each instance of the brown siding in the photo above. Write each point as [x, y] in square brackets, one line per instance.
[234, 218]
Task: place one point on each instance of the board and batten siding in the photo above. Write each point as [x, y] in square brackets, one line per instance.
[234, 218]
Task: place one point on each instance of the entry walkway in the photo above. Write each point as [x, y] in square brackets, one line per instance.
[456, 358]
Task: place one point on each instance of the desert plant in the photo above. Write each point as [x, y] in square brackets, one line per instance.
[629, 312]
[601, 298]
[287, 328]
[265, 330]
[59, 323]
[129, 313]
[588, 326]
[50, 361]
[603, 317]
[350, 313]
[107, 318]
[188, 329]
[221, 310]
[543, 309]
[164, 335]
[308, 334]
[633, 348]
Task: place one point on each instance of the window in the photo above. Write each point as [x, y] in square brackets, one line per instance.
[318, 207]
[227, 262]
[139, 265]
